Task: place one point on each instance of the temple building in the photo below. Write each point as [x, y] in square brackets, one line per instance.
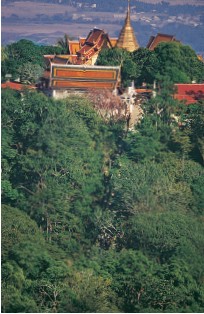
[76, 72]
[75, 46]
[127, 39]
[154, 41]
[96, 40]
[189, 93]
[85, 50]
[74, 79]
[90, 48]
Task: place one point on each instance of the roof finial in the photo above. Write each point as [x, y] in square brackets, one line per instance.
[128, 10]
[128, 5]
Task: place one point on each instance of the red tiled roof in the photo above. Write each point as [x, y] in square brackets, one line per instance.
[190, 93]
[154, 41]
[86, 48]
[16, 86]
[143, 90]
[93, 44]
[93, 36]
[82, 40]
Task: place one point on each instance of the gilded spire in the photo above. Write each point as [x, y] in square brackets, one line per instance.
[128, 12]
[127, 39]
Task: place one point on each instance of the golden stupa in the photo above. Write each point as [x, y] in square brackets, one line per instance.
[127, 39]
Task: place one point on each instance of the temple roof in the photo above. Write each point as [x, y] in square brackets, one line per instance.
[17, 86]
[189, 93]
[74, 46]
[200, 57]
[113, 41]
[154, 41]
[60, 60]
[95, 41]
[83, 77]
[127, 39]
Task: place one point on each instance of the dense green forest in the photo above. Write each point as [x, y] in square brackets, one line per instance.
[98, 219]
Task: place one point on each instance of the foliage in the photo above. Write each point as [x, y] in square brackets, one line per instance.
[29, 74]
[120, 57]
[180, 63]
[23, 57]
[95, 218]
[82, 286]
[147, 64]
[4, 54]
[25, 261]
[65, 172]
[16, 228]
[169, 61]
[194, 120]
[63, 43]
[164, 234]
[145, 143]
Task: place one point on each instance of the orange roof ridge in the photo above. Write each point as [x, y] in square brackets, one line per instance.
[164, 34]
[190, 84]
[17, 86]
[154, 41]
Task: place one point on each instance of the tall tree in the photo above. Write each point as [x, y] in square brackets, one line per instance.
[147, 64]
[120, 57]
[180, 63]
[63, 43]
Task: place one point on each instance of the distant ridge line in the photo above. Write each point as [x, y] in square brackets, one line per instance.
[175, 2]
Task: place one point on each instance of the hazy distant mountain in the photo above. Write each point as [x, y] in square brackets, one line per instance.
[44, 21]
[133, 2]
[174, 2]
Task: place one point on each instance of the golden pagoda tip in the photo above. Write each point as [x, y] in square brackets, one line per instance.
[127, 39]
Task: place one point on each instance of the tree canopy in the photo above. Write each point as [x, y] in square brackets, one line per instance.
[96, 218]
[172, 60]
[25, 57]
